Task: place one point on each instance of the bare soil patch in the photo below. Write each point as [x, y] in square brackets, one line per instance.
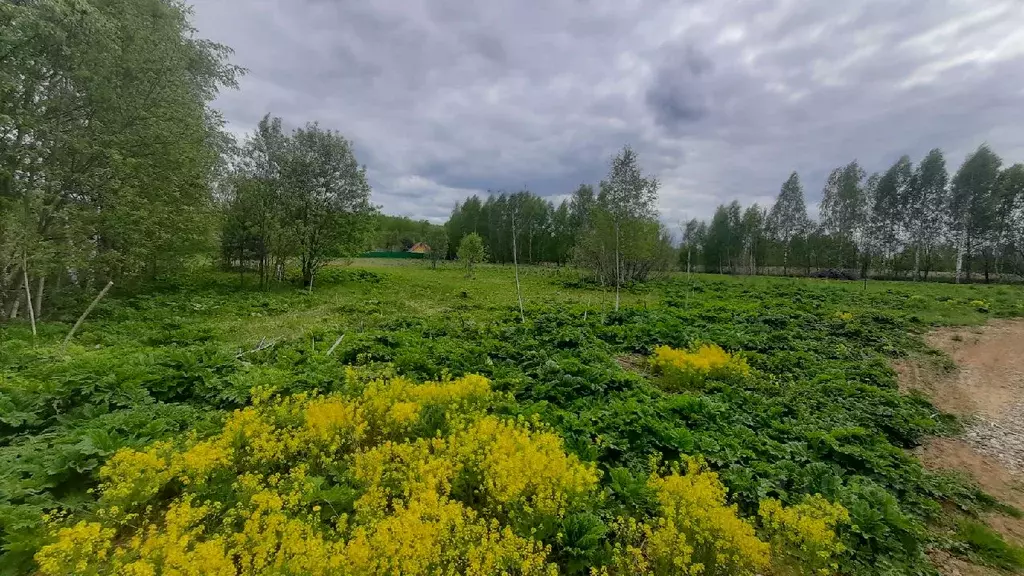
[632, 363]
[949, 565]
[991, 361]
[957, 455]
[987, 391]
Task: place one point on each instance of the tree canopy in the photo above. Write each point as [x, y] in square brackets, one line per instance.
[300, 195]
[108, 146]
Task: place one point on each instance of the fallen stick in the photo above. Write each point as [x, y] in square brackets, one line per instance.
[335, 345]
[84, 314]
[263, 345]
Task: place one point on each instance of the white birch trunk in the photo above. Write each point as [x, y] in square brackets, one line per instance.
[959, 257]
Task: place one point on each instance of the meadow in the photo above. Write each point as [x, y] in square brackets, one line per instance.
[207, 423]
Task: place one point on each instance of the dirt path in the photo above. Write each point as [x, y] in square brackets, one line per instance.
[987, 390]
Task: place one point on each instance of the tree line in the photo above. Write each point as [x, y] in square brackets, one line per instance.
[615, 231]
[398, 233]
[545, 233]
[908, 221]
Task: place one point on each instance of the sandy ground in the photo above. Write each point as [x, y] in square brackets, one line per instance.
[987, 390]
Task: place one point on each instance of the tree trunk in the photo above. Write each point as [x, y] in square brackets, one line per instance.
[959, 257]
[969, 258]
[618, 273]
[28, 300]
[12, 311]
[307, 274]
[39, 296]
[515, 264]
[917, 262]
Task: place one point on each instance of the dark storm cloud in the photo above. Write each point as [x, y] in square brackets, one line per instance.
[446, 98]
[677, 95]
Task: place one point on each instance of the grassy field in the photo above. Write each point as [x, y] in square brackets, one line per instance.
[816, 411]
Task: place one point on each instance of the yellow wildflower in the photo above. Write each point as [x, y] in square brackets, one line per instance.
[682, 368]
[695, 533]
[803, 536]
[402, 516]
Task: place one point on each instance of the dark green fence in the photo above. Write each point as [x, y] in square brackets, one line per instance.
[399, 255]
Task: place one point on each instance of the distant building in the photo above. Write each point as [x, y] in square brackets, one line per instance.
[420, 248]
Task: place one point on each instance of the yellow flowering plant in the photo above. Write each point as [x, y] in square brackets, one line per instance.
[681, 369]
[335, 484]
[803, 536]
[372, 483]
[695, 532]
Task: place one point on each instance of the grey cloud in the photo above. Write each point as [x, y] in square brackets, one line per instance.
[678, 95]
[445, 98]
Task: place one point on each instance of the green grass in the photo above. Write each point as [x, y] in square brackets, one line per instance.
[821, 414]
[988, 547]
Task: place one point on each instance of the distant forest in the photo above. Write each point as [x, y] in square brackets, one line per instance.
[910, 221]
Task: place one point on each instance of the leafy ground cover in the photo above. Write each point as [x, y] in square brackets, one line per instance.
[814, 411]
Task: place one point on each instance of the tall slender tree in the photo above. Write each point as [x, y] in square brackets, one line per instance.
[787, 218]
[972, 209]
[563, 234]
[626, 196]
[753, 226]
[927, 213]
[844, 212]
[694, 239]
[718, 241]
[1011, 184]
[891, 198]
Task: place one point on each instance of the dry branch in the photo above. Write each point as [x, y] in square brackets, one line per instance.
[84, 314]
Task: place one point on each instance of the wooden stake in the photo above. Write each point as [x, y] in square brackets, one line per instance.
[28, 299]
[335, 345]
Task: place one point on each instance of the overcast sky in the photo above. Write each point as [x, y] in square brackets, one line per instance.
[722, 99]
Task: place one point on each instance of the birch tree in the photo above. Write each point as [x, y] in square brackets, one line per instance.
[787, 218]
[972, 209]
[844, 212]
[626, 198]
[107, 142]
[928, 210]
[890, 197]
